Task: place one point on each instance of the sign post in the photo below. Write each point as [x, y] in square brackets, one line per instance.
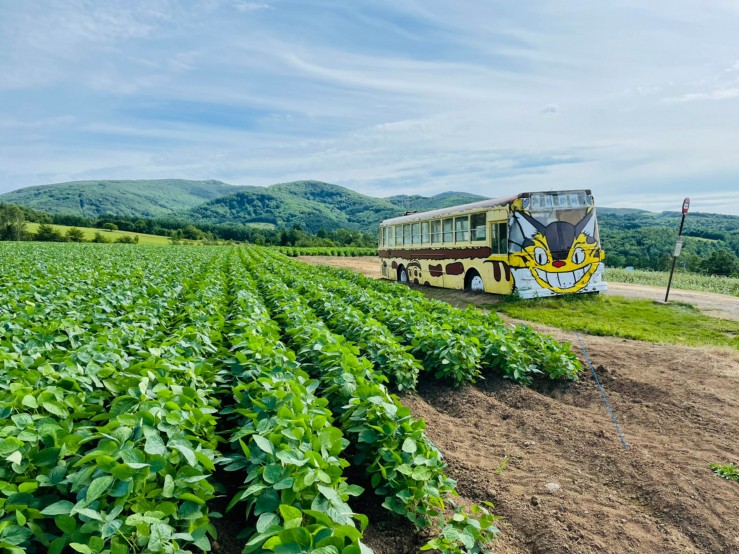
[678, 245]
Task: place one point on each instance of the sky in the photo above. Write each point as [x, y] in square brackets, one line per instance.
[636, 100]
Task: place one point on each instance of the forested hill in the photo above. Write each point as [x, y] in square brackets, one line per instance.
[423, 204]
[311, 205]
[142, 198]
[646, 239]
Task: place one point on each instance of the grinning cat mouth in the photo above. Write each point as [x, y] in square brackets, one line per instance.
[563, 279]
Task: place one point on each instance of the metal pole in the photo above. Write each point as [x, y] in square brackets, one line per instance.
[674, 258]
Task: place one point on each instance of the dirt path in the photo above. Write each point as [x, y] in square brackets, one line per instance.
[679, 411]
[550, 460]
[712, 304]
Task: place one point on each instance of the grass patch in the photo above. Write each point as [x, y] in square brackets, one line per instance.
[616, 316]
[89, 233]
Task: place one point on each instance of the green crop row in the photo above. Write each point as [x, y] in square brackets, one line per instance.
[374, 339]
[403, 466]
[283, 438]
[108, 429]
[453, 344]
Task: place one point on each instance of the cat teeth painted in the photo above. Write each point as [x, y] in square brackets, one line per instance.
[563, 279]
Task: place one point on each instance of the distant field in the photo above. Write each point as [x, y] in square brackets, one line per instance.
[681, 280]
[111, 235]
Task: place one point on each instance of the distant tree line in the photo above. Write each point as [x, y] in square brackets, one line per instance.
[13, 219]
[642, 240]
[645, 240]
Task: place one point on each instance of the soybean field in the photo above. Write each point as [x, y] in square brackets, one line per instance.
[145, 389]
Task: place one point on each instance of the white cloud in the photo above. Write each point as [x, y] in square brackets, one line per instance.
[383, 96]
[720, 94]
[244, 6]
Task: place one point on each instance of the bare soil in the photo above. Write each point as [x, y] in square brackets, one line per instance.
[550, 459]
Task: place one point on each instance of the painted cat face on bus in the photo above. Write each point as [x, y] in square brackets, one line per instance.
[562, 257]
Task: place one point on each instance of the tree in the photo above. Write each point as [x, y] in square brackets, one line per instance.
[191, 232]
[720, 262]
[46, 233]
[110, 227]
[12, 223]
[75, 235]
[100, 238]
[128, 239]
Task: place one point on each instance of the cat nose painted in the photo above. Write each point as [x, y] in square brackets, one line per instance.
[558, 263]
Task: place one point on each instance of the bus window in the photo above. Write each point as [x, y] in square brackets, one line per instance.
[390, 237]
[398, 235]
[416, 232]
[461, 228]
[478, 227]
[499, 238]
[383, 234]
[448, 225]
[425, 231]
[406, 234]
[436, 231]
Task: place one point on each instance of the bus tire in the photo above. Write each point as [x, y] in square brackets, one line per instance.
[403, 275]
[473, 282]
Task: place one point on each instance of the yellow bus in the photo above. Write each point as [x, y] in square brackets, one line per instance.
[532, 244]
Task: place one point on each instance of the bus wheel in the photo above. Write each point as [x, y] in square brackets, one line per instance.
[402, 275]
[474, 281]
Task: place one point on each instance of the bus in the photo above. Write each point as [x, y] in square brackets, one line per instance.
[532, 244]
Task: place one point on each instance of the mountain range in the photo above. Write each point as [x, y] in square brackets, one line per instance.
[310, 204]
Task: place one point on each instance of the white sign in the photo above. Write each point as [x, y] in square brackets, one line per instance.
[678, 247]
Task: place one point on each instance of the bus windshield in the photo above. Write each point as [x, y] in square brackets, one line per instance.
[548, 207]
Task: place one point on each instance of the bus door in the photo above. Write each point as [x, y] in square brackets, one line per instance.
[501, 281]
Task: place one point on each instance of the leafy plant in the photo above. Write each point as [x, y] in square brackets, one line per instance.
[727, 471]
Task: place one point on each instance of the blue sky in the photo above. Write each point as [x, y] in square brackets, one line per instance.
[638, 101]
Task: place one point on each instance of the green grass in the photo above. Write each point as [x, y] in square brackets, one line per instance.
[110, 235]
[681, 280]
[616, 316]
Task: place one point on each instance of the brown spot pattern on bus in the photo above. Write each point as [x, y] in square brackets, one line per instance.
[414, 271]
[498, 268]
[436, 270]
[456, 268]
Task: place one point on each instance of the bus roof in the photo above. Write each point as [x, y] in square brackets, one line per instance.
[479, 205]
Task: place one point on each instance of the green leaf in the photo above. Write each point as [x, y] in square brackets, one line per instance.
[168, 487]
[110, 528]
[98, 487]
[264, 444]
[272, 473]
[154, 445]
[15, 534]
[292, 516]
[15, 458]
[409, 446]
[62, 507]
[267, 520]
[29, 402]
[191, 497]
[56, 408]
